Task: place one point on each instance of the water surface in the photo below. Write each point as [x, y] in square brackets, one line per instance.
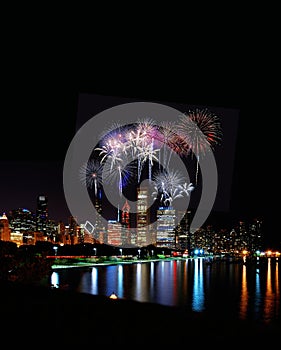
[226, 290]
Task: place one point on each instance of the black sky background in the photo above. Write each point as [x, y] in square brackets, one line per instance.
[39, 112]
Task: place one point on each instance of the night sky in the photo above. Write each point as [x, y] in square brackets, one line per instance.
[40, 120]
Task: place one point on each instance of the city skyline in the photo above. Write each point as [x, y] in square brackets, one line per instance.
[36, 165]
[168, 231]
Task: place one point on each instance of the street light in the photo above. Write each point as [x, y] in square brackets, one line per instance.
[56, 250]
[120, 251]
[139, 252]
[95, 249]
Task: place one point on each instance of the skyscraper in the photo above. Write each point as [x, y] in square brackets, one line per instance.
[5, 231]
[114, 233]
[22, 220]
[42, 214]
[98, 227]
[184, 236]
[143, 217]
[125, 222]
[166, 223]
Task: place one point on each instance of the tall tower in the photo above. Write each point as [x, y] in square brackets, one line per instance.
[99, 228]
[5, 231]
[185, 237]
[166, 223]
[114, 233]
[42, 214]
[143, 217]
[73, 231]
[125, 222]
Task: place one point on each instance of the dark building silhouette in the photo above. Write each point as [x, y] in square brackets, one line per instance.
[42, 214]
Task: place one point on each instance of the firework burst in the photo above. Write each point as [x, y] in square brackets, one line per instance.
[187, 188]
[169, 185]
[146, 127]
[91, 174]
[140, 144]
[122, 172]
[201, 130]
[114, 131]
[171, 142]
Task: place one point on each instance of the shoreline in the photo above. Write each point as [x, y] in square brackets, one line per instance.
[119, 261]
[109, 263]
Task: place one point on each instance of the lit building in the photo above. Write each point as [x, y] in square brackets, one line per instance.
[256, 235]
[22, 220]
[183, 235]
[17, 237]
[166, 223]
[143, 218]
[61, 231]
[102, 236]
[5, 231]
[42, 214]
[114, 233]
[99, 226]
[85, 235]
[125, 222]
[73, 230]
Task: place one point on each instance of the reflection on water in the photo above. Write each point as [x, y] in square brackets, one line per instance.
[198, 286]
[55, 280]
[94, 281]
[244, 294]
[258, 295]
[268, 293]
[245, 291]
[272, 294]
[277, 292]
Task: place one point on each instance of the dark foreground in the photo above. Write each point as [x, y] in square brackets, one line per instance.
[40, 317]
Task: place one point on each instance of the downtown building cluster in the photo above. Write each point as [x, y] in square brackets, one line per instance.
[165, 230]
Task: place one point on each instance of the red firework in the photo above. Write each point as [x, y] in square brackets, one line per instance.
[201, 129]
